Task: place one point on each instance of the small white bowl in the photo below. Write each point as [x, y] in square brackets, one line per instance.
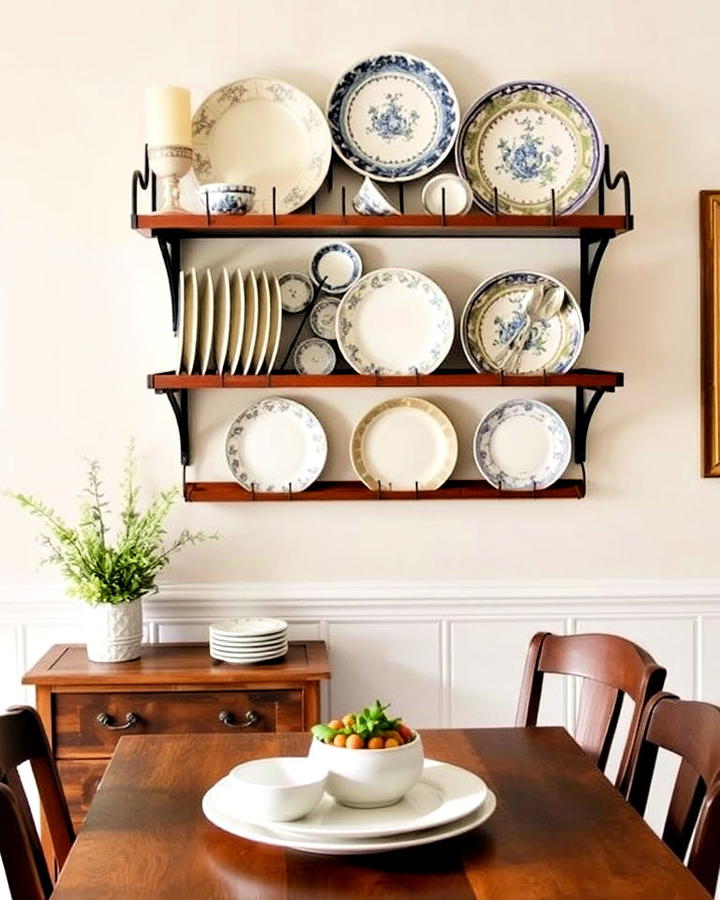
[230, 199]
[458, 195]
[369, 778]
[278, 788]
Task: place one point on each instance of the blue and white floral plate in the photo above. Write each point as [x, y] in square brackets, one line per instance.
[527, 138]
[495, 312]
[276, 445]
[323, 317]
[522, 445]
[266, 133]
[395, 322]
[393, 116]
[336, 266]
[314, 357]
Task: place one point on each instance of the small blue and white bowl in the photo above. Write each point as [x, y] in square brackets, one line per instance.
[228, 199]
[371, 201]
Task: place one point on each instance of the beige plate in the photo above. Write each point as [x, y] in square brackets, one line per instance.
[222, 321]
[180, 324]
[190, 307]
[206, 321]
[251, 322]
[263, 330]
[402, 442]
[275, 322]
[237, 320]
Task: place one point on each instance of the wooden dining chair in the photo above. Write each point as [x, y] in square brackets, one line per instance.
[23, 739]
[24, 879]
[691, 730]
[611, 667]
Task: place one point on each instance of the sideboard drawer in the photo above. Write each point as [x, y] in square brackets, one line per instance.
[78, 732]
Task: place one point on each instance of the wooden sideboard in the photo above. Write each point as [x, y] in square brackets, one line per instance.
[172, 689]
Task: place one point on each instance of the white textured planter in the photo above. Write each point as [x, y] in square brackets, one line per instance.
[114, 631]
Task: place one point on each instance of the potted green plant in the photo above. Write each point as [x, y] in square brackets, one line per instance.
[112, 576]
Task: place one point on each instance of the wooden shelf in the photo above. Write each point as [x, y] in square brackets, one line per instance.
[232, 492]
[190, 225]
[588, 378]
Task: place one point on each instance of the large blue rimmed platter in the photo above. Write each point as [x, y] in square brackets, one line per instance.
[526, 139]
[522, 445]
[495, 313]
[393, 116]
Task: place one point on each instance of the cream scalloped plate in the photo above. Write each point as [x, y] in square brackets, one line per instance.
[250, 330]
[221, 337]
[266, 133]
[395, 322]
[403, 443]
[237, 321]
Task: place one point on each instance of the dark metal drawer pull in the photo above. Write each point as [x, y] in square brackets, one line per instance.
[228, 718]
[106, 721]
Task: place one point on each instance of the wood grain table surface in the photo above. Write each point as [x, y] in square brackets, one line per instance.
[560, 830]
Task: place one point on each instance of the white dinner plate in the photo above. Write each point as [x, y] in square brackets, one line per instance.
[206, 322]
[402, 443]
[237, 321]
[263, 329]
[277, 445]
[323, 317]
[222, 321]
[266, 133]
[180, 324]
[395, 322]
[336, 266]
[443, 794]
[496, 310]
[249, 642]
[393, 116]
[275, 322]
[250, 626]
[260, 652]
[217, 809]
[190, 324]
[251, 322]
[522, 445]
[245, 660]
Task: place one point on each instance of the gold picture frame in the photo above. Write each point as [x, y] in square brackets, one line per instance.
[710, 331]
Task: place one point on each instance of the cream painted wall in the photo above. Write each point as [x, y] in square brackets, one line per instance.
[84, 313]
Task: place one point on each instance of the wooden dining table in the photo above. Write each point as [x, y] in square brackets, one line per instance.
[560, 830]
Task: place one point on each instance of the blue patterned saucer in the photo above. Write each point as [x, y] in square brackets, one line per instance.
[393, 116]
[336, 266]
[526, 139]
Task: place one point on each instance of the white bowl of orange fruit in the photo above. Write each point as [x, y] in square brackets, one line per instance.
[372, 760]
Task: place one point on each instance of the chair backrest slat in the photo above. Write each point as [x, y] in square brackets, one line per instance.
[23, 739]
[691, 730]
[23, 877]
[611, 667]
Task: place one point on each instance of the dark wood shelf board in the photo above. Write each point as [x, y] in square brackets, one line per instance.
[191, 225]
[232, 492]
[589, 378]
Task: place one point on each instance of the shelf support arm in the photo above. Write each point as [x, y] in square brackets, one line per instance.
[171, 254]
[179, 404]
[583, 414]
[592, 250]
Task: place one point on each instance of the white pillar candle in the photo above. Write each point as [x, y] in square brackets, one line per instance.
[167, 112]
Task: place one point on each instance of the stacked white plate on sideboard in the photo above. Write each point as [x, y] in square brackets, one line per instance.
[248, 640]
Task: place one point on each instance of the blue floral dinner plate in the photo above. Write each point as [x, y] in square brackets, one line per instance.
[522, 445]
[495, 313]
[393, 116]
[528, 138]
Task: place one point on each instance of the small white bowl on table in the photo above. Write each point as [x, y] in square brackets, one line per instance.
[369, 778]
[277, 788]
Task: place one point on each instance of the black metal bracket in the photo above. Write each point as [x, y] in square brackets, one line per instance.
[171, 250]
[143, 179]
[583, 414]
[593, 245]
[179, 403]
[317, 290]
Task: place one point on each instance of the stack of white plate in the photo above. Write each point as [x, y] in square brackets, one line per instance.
[248, 640]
